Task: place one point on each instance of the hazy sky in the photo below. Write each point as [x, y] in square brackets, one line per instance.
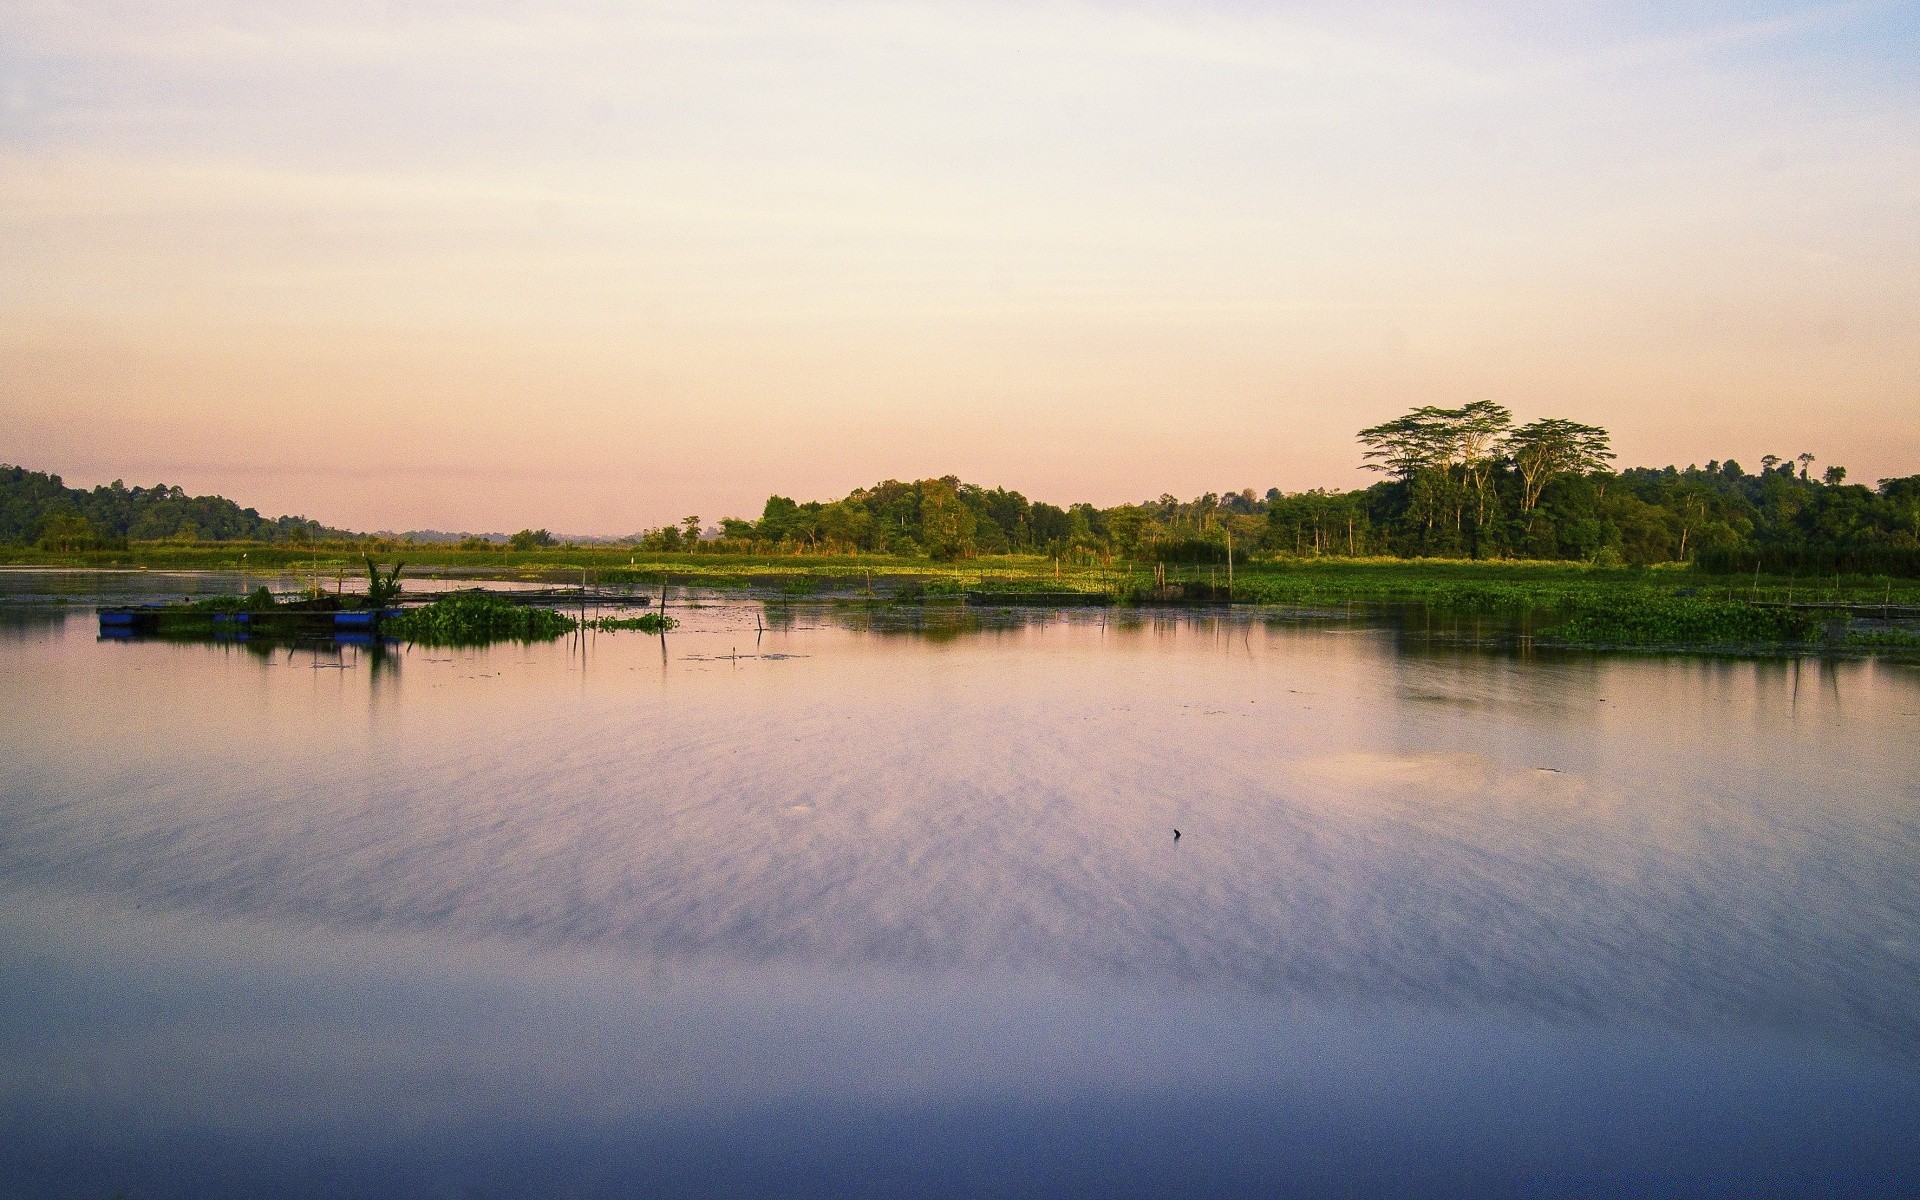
[599, 266]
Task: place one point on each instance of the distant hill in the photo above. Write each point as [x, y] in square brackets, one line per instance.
[436, 537]
[36, 507]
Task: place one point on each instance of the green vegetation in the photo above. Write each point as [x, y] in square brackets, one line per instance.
[475, 619]
[1885, 639]
[645, 623]
[1681, 621]
[1568, 603]
[37, 509]
[1475, 513]
[1461, 483]
[382, 592]
[470, 619]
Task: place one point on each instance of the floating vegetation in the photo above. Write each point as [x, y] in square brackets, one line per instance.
[1416, 586]
[258, 600]
[1681, 621]
[471, 619]
[646, 623]
[1885, 639]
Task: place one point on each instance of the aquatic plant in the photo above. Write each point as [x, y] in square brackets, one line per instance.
[1680, 621]
[1885, 639]
[382, 592]
[472, 619]
[645, 623]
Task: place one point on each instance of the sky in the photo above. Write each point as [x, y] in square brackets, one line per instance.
[598, 266]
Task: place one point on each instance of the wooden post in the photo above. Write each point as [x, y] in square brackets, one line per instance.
[1229, 564]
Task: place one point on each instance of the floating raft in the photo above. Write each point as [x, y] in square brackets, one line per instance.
[162, 619]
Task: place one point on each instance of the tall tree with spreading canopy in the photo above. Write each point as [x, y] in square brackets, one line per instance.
[1546, 449]
[1478, 441]
[1407, 445]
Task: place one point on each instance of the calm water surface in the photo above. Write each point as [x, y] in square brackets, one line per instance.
[885, 903]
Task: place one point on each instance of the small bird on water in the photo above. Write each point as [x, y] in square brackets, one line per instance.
[1176, 835]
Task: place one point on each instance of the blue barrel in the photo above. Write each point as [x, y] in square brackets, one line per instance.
[116, 616]
[353, 620]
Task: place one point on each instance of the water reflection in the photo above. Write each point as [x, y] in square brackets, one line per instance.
[1574, 837]
[943, 835]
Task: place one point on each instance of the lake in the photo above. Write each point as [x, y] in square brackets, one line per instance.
[829, 900]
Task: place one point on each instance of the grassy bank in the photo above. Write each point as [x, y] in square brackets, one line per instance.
[1577, 604]
[1449, 582]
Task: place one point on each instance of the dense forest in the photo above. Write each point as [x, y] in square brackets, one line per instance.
[39, 509]
[1456, 483]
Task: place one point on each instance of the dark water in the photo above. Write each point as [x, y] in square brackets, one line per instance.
[890, 904]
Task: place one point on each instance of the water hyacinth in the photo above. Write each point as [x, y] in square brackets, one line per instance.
[645, 623]
[473, 620]
[1680, 621]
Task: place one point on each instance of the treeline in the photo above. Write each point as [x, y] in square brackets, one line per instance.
[943, 519]
[37, 509]
[1460, 483]
[1467, 482]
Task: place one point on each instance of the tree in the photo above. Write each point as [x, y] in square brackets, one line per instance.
[1406, 445]
[665, 539]
[1834, 476]
[777, 518]
[1478, 440]
[946, 523]
[1128, 526]
[1548, 448]
[67, 532]
[692, 535]
[846, 523]
[529, 539]
[1903, 496]
[1692, 506]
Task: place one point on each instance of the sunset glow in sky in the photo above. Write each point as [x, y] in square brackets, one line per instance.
[599, 266]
